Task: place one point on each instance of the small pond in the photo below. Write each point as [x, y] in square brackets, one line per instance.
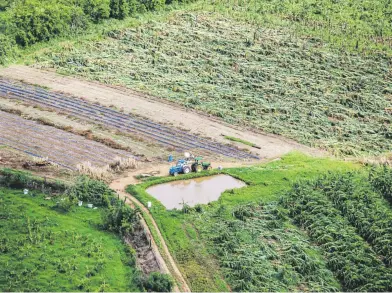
[193, 191]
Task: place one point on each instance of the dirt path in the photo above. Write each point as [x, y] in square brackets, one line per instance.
[157, 110]
[119, 186]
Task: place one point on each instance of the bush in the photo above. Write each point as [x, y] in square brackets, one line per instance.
[66, 204]
[119, 9]
[97, 9]
[121, 218]
[7, 49]
[152, 4]
[155, 282]
[91, 191]
[5, 4]
[34, 21]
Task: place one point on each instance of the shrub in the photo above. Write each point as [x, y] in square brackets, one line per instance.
[34, 21]
[21, 179]
[7, 49]
[5, 4]
[66, 204]
[97, 9]
[152, 4]
[91, 191]
[121, 218]
[119, 9]
[155, 282]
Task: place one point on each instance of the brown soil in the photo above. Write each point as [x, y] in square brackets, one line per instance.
[91, 131]
[157, 110]
[10, 158]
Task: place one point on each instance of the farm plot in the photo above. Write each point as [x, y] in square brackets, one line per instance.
[245, 74]
[63, 148]
[168, 137]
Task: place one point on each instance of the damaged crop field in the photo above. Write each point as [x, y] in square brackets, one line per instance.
[290, 99]
[329, 231]
[267, 78]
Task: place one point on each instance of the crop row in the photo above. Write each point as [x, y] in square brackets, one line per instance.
[260, 252]
[381, 180]
[81, 109]
[60, 147]
[364, 209]
[348, 255]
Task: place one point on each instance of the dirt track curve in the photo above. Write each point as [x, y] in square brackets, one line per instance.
[119, 186]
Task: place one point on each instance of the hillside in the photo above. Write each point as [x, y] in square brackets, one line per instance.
[44, 249]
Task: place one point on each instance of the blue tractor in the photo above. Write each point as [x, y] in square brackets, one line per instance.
[182, 167]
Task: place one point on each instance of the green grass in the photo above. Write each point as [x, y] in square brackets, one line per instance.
[236, 139]
[188, 235]
[245, 73]
[43, 249]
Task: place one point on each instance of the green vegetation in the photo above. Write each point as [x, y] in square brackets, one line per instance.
[189, 233]
[269, 79]
[259, 250]
[365, 210]
[236, 139]
[20, 179]
[44, 250]
[51, 245]
[301, 224]
[26, 22]
[348, 255]
[381, 179]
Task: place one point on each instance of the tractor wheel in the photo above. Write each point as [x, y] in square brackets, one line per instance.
[209, 167]
[199, 168]
[175, 174]
[186, 169]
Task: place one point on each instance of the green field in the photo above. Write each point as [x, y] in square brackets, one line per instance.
[195, 236]
[43, 249]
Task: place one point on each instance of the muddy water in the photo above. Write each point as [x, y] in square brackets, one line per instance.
[193, 191]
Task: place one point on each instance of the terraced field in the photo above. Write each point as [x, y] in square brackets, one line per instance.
[168, 137]
[62, 148]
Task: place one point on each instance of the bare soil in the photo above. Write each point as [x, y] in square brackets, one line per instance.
[157, 110]
[10, 158]
[73, 125]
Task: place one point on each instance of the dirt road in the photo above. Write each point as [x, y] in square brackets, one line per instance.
[170, 265]
[157, 110]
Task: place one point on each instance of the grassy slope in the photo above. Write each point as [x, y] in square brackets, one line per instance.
[63, 252]
[246, 74]
[265, 184]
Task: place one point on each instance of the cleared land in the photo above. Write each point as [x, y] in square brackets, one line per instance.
[245, 74]
[58, 146]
